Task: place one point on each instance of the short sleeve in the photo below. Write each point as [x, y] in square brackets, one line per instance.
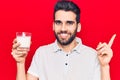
[34, 67]
[97, 72]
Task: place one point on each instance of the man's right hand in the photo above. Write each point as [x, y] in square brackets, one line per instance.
[19, 54]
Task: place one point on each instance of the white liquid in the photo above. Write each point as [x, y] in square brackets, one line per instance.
[24, 41]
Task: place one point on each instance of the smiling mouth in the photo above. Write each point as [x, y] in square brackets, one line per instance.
[63, 35]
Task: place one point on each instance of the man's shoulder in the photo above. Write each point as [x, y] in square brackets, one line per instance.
[46, 47]
[88, 49]
[85, 48]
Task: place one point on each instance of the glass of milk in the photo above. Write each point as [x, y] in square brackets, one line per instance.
[24, 38]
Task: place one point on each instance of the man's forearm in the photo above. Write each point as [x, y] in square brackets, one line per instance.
[105, 72]
[21, 75]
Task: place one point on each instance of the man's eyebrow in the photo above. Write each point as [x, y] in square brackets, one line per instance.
[70, 21]
[57, 21]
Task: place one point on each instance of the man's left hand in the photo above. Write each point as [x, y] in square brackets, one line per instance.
[105, 52]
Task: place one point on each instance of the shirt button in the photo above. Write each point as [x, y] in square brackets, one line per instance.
[66, 64]
[66, 54]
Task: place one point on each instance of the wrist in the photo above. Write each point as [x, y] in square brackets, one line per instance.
[105, 72]
[105, 67]
[20, 64]
[22, 61]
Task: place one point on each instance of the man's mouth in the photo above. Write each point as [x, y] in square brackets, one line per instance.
[63, 35]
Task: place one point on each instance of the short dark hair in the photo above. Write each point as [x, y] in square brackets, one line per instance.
[67, 5]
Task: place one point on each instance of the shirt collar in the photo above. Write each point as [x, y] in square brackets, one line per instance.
[79, 45]
[56, 48]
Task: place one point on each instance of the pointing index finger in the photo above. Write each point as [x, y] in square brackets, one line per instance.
[112, 40]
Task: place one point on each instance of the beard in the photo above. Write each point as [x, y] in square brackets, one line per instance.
[63, 41]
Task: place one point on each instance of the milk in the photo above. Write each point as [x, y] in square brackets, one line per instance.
[24, 40]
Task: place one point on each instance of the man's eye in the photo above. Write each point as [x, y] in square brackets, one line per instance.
[57, 22]
[70, 22]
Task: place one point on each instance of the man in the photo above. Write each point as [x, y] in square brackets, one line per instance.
[67, 58]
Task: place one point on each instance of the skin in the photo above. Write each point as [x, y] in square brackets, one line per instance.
[64, 29]
[105, 54]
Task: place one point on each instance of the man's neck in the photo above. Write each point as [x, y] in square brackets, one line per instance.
[69, 47]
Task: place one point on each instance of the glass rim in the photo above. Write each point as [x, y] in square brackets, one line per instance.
[23, 34]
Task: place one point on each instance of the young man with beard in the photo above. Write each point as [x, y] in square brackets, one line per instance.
[67, 58]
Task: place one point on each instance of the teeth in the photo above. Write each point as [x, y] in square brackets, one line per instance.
[63, 35]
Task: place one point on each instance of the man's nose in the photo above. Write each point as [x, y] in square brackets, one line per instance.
[63, 27]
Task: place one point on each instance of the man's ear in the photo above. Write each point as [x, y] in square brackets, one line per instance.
[79, 27]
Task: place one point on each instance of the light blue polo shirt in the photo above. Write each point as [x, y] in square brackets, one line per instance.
[52, 63]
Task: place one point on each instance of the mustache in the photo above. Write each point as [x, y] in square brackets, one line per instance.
[61, 32]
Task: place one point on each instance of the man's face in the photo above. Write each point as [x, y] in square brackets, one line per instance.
[65, 26]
